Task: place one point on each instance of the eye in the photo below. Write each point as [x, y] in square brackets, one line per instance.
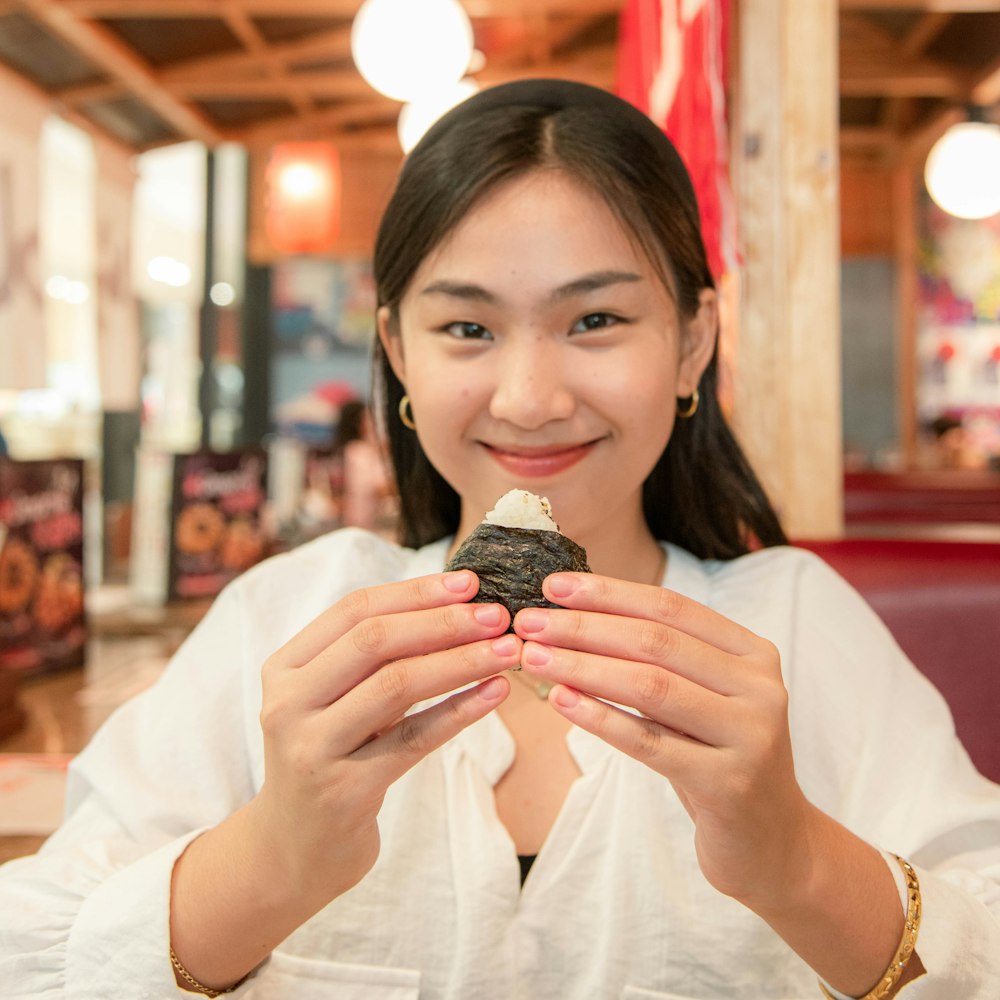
[467, 331]
[596, 321]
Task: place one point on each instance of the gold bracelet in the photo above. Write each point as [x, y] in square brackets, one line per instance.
[890, 978]
[201, 987]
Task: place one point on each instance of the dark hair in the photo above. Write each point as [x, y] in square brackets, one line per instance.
[702, 493]
[350, 424]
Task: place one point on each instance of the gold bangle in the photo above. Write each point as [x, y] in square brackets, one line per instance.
[201, 987]
[890, 978]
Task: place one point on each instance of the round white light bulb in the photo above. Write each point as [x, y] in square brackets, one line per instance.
[417, 117]
[405, 48]
[300, 181]
[222, 293]
[963, 170]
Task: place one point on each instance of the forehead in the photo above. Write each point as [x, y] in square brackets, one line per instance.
[544, 219]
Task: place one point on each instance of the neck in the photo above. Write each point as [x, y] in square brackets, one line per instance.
[626, 553]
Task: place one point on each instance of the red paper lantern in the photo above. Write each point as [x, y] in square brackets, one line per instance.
[302, 208]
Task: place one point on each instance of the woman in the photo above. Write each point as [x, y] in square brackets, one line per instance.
[731, 737]
[366, 483]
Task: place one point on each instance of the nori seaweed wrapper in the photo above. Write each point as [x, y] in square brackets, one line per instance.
[512, 563]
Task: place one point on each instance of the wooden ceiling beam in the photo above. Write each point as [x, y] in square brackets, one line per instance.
[335, 44]
[946, 6]
[325, 8]
[860, 138]
[916, 42]
[337, 84]
[916, 143]
[320, 122]
[107, 51]
[862, 37]
[208, 69]
[150, 9]
[557, 32]
[985, 89]
[343, 84]
[249, 35]
[868, 80]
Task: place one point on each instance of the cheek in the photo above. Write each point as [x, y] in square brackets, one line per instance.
[642, 394]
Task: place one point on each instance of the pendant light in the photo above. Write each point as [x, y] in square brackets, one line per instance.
[302, 205]
[963, 169]
[409, 48]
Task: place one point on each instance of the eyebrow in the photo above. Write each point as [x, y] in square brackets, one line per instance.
[586, 283]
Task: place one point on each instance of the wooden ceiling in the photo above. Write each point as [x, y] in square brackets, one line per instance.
[153, 72]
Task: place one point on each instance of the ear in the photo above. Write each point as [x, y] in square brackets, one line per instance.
[698, 342]
[392, 342]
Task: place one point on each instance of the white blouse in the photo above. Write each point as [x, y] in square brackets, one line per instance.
[614, 906]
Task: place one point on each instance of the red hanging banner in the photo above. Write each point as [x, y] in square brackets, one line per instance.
[672, 64]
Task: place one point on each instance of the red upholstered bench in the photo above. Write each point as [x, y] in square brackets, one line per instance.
[941, 600]
[921, 497]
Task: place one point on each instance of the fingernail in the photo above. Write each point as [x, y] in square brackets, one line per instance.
[567, 697]
[537, 655]
[561, 585]
[488, 614]
[506, 645]
[532, 620]
[491, 690]
[458, 582]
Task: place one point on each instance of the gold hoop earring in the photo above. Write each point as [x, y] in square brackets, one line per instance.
[406, 413]
[689, 411]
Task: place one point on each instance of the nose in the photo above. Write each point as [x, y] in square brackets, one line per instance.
[531, 386]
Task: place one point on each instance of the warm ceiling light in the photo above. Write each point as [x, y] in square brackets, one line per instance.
[417, 117]
[963, 170]
[406, 48]
[302, 205]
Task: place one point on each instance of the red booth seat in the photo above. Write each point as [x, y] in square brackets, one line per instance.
[922, 497]
[941, 600]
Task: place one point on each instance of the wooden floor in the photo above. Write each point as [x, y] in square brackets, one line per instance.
[63, 710]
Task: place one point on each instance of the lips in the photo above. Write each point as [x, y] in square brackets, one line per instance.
[534, 462]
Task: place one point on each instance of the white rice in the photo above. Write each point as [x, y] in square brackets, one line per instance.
[521, 509]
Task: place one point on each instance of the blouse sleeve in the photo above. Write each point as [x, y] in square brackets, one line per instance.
[89, 914]
[882, 756]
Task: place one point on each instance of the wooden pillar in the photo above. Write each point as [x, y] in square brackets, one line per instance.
[904, 210]
[787, 389]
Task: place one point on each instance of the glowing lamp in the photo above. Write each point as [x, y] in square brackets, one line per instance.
[302, 209]
[407, 48]
[963, 170]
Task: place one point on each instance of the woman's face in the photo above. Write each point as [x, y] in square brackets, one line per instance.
[541, 351]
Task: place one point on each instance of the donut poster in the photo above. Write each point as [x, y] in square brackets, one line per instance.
[216, 519]
[42, 618]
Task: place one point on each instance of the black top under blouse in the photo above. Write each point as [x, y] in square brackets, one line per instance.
[526, 861]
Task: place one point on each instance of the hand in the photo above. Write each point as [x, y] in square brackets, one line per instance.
[335, 722]
[713, 717]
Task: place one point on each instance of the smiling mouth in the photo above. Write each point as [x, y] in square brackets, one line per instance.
[539, 460]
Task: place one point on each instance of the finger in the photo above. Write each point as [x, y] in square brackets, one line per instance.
[637, 639]
[375, 705]
[371, 644]
[435, 590]
[672, 754]
[397, 750]
[661, 695]
[589, 592]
